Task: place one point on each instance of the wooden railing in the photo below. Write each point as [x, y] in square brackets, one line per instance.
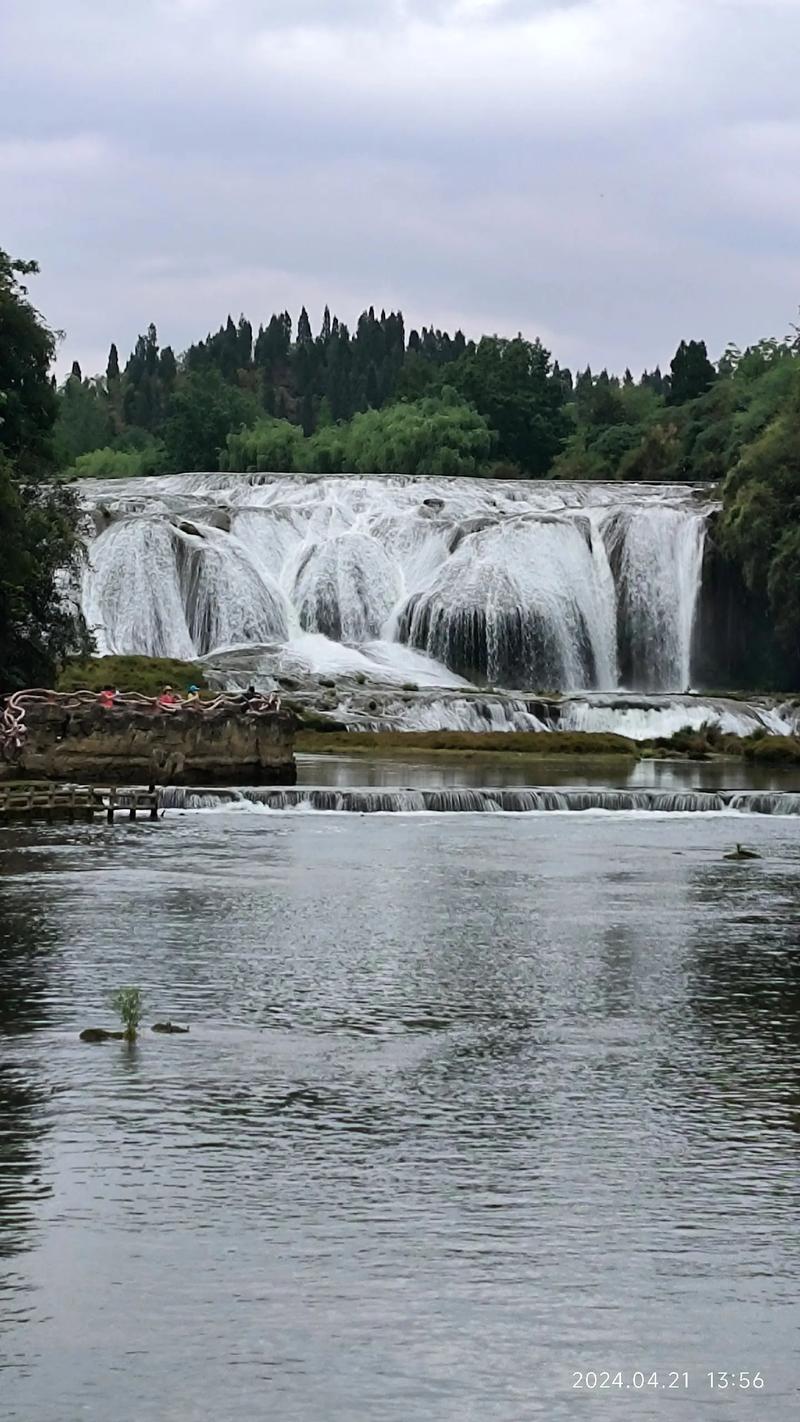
[75, 802]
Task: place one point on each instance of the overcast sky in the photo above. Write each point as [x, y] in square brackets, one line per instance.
[612, 175]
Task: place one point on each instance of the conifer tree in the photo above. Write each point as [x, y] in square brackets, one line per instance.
[691, 372]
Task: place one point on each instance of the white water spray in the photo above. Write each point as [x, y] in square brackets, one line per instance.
[518, 583]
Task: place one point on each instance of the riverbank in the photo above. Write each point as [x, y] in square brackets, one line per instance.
[562, 746]
[539, 745]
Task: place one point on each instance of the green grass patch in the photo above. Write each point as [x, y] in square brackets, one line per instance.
[531, 743]
[146, 675]
[773, 750]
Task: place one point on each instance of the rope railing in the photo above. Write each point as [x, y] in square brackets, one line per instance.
[14, 729]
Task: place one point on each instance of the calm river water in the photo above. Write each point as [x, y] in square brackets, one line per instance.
[470, 1105]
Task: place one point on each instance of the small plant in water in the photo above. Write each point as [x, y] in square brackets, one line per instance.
[127, 1003]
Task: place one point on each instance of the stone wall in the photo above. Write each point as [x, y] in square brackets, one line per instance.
[93, 745]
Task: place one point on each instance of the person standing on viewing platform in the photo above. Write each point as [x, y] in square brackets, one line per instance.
[108, 698]
[167, 700]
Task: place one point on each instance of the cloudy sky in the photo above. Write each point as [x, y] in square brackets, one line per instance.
[612, 175]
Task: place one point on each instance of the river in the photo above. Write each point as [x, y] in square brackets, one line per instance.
[470, 1104]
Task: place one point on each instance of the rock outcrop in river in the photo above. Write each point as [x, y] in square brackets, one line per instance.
[83, 741]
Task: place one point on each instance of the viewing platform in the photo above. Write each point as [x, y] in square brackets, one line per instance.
[75, 802]
[137, 740]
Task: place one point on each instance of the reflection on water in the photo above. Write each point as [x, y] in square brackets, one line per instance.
[467, 1104]
[432, 772]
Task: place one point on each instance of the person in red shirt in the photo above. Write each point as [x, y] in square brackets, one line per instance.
[108, 698]
[168, 699]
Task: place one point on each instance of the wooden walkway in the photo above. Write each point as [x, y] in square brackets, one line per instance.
[51, 802]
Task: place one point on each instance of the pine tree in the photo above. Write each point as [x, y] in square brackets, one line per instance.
[244, 343]
[692, 373]
[112, 368]
[75, 373]
[151, 350]
[167, 370]
[304, 336]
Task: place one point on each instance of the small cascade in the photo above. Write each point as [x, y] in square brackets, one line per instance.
[439, 713]
[226, 598]
[132, 599]
[346, 588]
[474, 801]
[519, 603]
[646, 718]
[768, 802]
[657, 554]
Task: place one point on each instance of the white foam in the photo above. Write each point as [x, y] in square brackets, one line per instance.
[519, 583]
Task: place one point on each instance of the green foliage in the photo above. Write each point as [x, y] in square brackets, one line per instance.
[27, 399]
[691, 372]
[269, 446]
[538, 743]
[656, 456]
[38, 520]
[146, 675]
[441, 435]
[761, 520]
[127, 1003]
[85, 420]
[773, 750]
[512, 384]
[431, 436]
[202, 412]
[37, 629]
[118, 463]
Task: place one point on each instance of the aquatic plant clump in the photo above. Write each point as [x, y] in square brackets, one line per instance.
[127, 1003]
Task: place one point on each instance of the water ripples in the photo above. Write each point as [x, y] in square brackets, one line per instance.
[465, 1104]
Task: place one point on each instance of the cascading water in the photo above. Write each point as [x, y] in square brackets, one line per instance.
[408, 598]
[657, 552]
[519, 603]
[472, 801]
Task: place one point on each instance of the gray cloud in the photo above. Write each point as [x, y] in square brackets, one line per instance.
[608, 174]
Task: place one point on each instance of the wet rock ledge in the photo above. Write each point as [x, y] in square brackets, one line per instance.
[68, 738]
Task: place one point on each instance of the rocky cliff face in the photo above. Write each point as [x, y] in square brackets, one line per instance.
[90, 744]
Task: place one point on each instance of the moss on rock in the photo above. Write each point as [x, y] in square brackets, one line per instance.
[145, 675]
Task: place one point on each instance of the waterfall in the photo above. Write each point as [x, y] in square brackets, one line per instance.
[658, 554]
[132, 598]
[515, 584]
[519, 604]
[472, 801]
[346, 587]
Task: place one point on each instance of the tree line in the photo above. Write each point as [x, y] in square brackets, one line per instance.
[291, 388]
